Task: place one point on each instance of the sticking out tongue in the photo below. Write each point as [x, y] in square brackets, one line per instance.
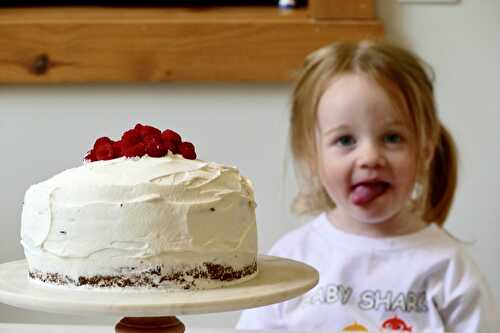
[366, 192]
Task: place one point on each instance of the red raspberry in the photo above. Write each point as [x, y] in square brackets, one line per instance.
[171, 136]
[90, 157]
[154, 146]
[146, 130]
[117, 149]
[187, 150]
[102, 140]
[170, 146]
[131, 138]
[141, 140]
[103, 149]
[136, 150]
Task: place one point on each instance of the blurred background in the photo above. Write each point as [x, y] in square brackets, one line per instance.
[46, 129]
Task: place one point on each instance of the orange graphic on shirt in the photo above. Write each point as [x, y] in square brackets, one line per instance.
[395, 324]
[355, 328]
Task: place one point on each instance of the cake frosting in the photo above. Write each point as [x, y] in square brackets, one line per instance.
[166, 222]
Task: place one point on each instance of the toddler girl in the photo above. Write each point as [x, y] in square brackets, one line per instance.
[379, 170]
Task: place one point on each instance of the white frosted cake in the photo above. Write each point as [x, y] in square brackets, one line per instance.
[147, 222]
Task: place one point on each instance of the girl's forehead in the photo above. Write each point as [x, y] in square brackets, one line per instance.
[353, 92]
[357, 97]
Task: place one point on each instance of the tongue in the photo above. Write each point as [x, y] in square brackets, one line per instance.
[365, 193]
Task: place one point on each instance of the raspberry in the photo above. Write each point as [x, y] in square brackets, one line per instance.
[90, 157]
[102, 140]
[170, 146]
[171, 136]
[117, 149]
[154, 145]
[131, 138]
[141, 140]
[136, 150]
[103, 149]
[146, 130]
[187, 150]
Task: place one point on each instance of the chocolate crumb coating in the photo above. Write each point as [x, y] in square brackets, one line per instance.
[152, 278]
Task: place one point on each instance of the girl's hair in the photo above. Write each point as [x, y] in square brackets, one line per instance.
[407, 80]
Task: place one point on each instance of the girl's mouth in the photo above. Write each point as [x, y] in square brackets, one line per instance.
[365, 192]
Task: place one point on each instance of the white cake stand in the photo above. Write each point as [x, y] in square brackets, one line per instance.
[278, 280]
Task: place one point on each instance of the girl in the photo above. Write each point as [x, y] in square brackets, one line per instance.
[380, 169]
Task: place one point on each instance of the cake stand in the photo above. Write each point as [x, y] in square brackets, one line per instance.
[279, 279]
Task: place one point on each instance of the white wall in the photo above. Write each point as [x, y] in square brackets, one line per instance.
[44, 130]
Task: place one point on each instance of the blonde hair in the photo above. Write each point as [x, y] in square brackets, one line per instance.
[407, 80]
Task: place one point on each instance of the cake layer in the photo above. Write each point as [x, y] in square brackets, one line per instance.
[134, 214]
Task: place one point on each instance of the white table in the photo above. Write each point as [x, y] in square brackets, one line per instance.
[39, 328]
[44, 328]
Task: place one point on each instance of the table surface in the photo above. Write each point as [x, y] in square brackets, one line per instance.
[45, 328]
[39, 328]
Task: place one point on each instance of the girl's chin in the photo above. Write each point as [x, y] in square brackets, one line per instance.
[375, 216]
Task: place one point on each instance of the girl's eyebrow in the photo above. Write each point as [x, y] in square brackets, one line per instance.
[395, 123]
[345, 127]
[340, 127]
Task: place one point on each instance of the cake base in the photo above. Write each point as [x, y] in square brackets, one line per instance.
[153, 278]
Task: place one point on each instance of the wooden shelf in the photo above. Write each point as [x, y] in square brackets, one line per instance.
[154, 44]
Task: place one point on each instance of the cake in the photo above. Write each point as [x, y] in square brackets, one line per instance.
[130, 220]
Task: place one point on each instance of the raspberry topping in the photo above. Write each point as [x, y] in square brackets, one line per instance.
[145, 130]
[117, 149]
[171, 147]
[154, 145]
[139, 141]
[136, 150]
[169, 135]
[131, 138]
[187, 150]
[103, 149]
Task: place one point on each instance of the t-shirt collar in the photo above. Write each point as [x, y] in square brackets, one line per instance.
[348, 240]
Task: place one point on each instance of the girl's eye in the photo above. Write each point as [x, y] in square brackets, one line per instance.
[393, 138]
[345, 140]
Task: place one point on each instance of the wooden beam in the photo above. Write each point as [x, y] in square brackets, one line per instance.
[86, 44]
[342, 9]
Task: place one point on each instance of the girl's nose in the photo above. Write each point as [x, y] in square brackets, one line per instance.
[371, 156]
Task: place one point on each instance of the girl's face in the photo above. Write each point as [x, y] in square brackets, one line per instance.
[366, 152]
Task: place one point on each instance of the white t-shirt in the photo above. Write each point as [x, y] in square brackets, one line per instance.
[422, 282]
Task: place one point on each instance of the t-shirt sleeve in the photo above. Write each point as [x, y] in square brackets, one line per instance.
[467, 304]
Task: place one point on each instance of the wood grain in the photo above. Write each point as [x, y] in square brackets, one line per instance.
[342, 9]
[85, 44]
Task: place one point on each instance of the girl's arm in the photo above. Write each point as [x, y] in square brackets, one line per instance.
[467, 303]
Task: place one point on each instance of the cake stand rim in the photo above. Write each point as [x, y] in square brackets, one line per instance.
[117, 302]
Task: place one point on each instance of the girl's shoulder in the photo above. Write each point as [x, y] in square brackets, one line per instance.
[450, 261]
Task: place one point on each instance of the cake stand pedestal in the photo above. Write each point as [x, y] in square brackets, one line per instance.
[169, 324]
[154, 311]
